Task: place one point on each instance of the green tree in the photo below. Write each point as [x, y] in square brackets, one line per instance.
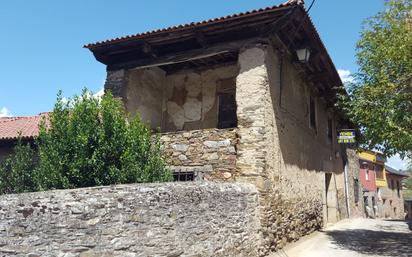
[88, 142]
[380, 99]
[17, 173]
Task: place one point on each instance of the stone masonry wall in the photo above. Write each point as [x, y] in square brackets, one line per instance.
[209, 153]
[304, 156]
[116, 82]
[394, 204]
[169, 219]
[357, 209]
[280, 153]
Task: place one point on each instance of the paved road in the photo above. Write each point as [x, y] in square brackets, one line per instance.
[355, 238]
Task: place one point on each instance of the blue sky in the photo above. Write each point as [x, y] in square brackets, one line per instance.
[41, 41]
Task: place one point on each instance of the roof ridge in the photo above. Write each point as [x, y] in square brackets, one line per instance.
[191, 24]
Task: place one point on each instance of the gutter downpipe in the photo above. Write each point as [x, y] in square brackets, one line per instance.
[347, 188]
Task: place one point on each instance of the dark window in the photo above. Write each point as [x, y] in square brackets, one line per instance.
[356, 188]
[379, 171]
[398, 188]
[364, 165]
[330, 129]
[183, 176]
[227, 111]
[392, 184]
[312, 112]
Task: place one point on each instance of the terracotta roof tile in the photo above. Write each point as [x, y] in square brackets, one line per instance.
[193, 24]
[26, 127]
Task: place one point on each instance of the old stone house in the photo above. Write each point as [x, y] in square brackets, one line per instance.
[381, 186]
[392, 196]
[248, 98]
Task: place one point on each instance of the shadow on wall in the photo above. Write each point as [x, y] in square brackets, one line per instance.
[382, 243]
[301, 145]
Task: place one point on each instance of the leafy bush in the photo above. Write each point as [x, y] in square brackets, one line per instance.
[17, 172]
[89, 142]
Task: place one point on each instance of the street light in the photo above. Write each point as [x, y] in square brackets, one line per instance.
[303, 54]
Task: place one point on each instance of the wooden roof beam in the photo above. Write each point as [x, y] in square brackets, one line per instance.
[181, 57]
[148, 49]
[201, 39]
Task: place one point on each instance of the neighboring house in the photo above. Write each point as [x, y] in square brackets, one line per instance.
[249, 98]
[393, 205]
[382, 186]
[12, 128]
[372, 177]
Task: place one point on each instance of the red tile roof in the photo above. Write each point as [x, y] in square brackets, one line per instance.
[194, 24]
[26, 127]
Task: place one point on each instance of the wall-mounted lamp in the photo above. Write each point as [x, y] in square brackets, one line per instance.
[303, 54]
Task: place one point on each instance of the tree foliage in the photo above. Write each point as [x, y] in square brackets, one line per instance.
[17, 172]
[380, 98]
[88, 142]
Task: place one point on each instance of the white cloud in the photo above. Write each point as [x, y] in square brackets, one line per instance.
[4, 112]
[345, 76]
[97, 95]
[397, 163]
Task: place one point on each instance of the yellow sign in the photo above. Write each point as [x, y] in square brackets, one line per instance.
[346, 136]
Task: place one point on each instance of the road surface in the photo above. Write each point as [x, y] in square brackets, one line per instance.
[355, 238]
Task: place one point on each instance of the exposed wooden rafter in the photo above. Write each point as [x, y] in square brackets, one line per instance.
[195, 54]
[201, 39]
[148, 49]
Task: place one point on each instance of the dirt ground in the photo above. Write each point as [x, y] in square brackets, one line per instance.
[355, 238]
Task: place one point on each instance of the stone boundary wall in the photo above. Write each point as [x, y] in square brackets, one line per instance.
[168, 219]
[209, 153]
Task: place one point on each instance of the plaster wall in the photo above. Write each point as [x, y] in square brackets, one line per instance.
[185, 100]
[144, 93]
[190, 99]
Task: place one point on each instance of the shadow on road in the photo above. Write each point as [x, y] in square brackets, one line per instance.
[374, 242]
